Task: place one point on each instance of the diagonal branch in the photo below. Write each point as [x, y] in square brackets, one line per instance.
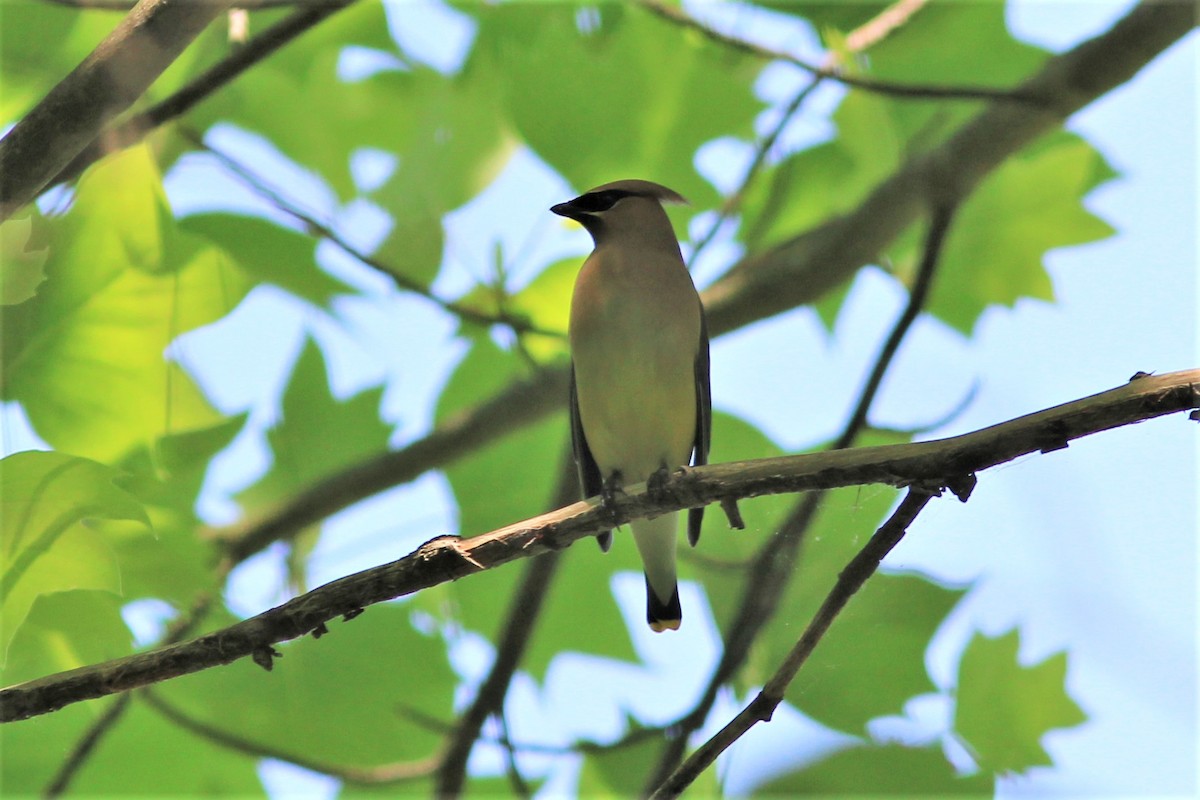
[104, 84]
[948, 462]
[383, 774]
[849, 581]
[132, 130]
[466, 313]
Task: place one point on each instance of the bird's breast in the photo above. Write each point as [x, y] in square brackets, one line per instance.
[634, 339]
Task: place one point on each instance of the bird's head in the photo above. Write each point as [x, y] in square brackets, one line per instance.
[621, 208]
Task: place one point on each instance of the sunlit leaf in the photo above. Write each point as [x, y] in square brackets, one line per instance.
[1004, 708]
[86, 355]
[46, 503]
[21, 260]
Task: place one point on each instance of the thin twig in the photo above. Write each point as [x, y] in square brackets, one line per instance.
[907, 90]
[259, 185]
[849, 581]
[383, 774]
[948, 462]
[869, 33]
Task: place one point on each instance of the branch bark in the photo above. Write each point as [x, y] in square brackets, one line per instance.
[104, 84]
[950, 462]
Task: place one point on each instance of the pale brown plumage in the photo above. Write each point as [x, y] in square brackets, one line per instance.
[640, 399]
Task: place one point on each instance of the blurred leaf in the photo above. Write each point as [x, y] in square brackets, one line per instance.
[640, 98]
[86, 355]
[618, 772]
[1003, 708]
[48, 545]
[318, 434]
[545, 302]
[175, 761]
[887, 770]
[174, 561]
[295, 98]
[453, 145]
[21, 259]
[995, 251]
[362, 680]
[269, 253]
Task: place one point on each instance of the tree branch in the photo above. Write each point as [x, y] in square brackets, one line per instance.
[383, 774]
[807, 266]
[133, 130]
[910, 90]
[948, 462]
[315, 227]
[104, 84]
[849, 581]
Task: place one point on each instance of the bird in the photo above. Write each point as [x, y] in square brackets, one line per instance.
[640, 396]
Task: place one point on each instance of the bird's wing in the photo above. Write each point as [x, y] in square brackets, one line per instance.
[703, 438]
[590, 480]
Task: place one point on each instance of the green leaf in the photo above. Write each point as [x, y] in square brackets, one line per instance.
[295, 99]
[63, 631]
[1003, 708]
[995, 251]
[269, 253]
[453, 144]
[49, 546]
[685, 89]
[318, 434]
[21, 259]
[874, 770]
[86, 356]
[373, 680]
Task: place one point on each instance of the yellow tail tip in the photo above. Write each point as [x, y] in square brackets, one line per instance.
[660, 625]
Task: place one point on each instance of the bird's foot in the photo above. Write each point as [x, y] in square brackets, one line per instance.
[656, 485]
[609, 489]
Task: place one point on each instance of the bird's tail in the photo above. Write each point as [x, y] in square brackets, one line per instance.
[655, 540]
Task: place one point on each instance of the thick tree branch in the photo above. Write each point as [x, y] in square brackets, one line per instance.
[849, 581]
[948, 462]
[106, 83]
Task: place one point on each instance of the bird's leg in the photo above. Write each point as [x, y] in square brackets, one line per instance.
[656, 484]
[610, 487]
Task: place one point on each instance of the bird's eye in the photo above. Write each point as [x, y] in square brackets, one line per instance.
[596, 202]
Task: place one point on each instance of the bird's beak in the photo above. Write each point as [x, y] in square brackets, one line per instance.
[567, 210]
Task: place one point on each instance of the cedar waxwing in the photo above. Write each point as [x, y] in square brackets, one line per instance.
[640, 400]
